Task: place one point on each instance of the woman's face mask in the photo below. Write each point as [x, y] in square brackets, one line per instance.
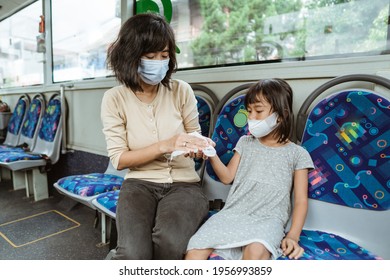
[153, 72]
[261, 128]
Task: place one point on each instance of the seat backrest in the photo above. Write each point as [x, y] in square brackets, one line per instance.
[50, 130]
[348, 137]
[16, 121]
[32, 121]
[207, 101]
[205, 110]
[230, 124]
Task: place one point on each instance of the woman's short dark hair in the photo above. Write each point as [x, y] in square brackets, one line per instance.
[279, 95]
[139, 35]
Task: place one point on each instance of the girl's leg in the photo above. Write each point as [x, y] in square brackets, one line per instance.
[198, 254]
[180, 211]
[135, 218]
[255, 251]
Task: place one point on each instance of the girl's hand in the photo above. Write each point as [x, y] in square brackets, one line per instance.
[291, 248]
[198, 153]
[193, 154]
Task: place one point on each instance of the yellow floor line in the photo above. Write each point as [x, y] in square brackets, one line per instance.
[36, 240]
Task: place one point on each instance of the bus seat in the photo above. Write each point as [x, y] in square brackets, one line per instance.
[347, 135]
[84, 188]
[28, 134]
[207, 101]
[29, 168]
[28, 131]
[230, 124]
[106, 203]
[16, 121]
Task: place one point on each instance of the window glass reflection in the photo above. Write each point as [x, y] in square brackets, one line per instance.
[21, 59]
[82, 31]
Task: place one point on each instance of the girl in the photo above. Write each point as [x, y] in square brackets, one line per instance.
[264, 167]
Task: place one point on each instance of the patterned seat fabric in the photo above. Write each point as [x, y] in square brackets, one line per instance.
[90, 184]
[18, 155]
[348, 137]
[15, 123]
[32, 118]
[17, 116]
[204, 121]
[29, 125]
[204, 115]
[47, 132]
[320, 245]
[230, 126]
[108, 201]
[50, 121]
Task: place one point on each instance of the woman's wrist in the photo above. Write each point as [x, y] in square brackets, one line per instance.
[164, 147]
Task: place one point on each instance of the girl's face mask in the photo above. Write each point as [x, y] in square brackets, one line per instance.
[261, 128]
[153, 72]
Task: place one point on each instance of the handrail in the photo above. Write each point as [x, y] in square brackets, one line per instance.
[64, 117]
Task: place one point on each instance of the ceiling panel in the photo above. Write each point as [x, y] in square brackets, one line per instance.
[10, 6]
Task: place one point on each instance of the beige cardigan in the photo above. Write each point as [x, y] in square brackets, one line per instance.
[129, 124]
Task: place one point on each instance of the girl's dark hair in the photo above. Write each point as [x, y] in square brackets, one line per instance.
[279, 95]
[139, 35]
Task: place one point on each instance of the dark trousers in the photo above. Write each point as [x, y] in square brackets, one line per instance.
[156, 220]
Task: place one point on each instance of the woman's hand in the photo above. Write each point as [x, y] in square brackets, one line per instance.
[198, 153]
[291, 248]
[183, 142]
[191, 144]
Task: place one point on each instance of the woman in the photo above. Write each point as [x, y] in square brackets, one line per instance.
[145, 119]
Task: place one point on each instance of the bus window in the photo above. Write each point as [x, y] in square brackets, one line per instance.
[219, 33]
[82, 31]
[20, 62]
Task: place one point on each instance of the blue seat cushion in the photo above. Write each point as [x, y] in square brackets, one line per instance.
[319, 245]
[7, 149]
[90, 184]
[109, 200]
[12, 156]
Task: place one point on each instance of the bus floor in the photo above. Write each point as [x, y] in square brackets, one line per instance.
[56, 228]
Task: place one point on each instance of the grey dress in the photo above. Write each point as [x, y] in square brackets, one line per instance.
[258, 206]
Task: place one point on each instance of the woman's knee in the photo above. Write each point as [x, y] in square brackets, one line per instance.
[169, 245]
